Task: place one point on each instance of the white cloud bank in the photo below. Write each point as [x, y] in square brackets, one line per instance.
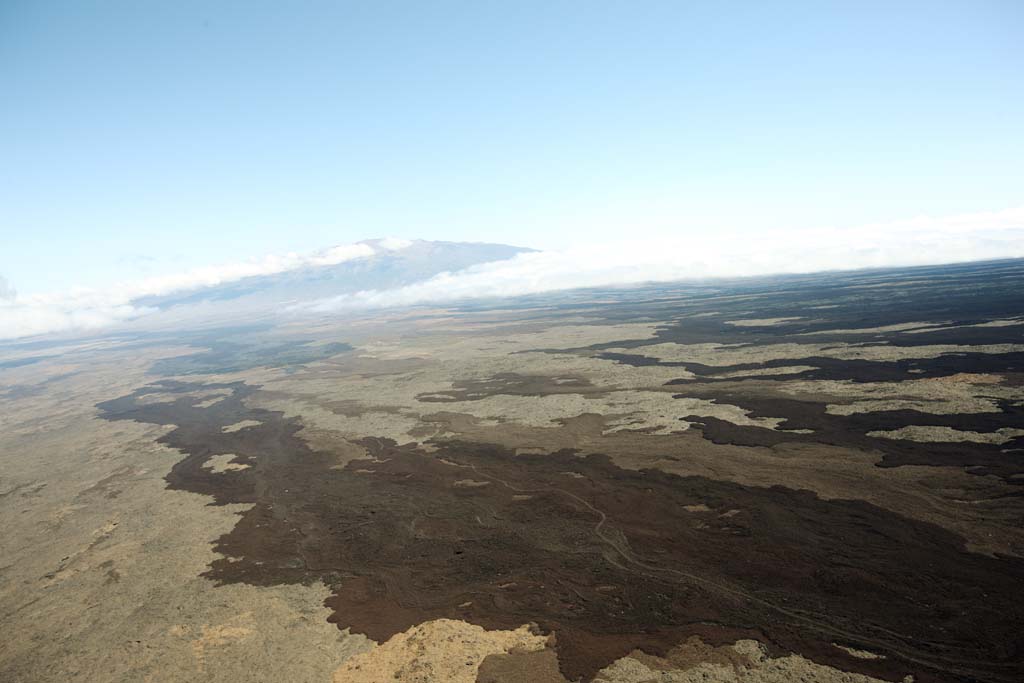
[921, 241]
[6, 291]
[83, 309]
[230, 272]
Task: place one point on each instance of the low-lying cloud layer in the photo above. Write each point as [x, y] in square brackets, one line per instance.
[83, 309]
[921, 241]
[6, 291]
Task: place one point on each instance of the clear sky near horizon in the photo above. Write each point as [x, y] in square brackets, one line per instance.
[139, 138]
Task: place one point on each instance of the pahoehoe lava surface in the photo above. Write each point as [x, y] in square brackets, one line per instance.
[609, 559]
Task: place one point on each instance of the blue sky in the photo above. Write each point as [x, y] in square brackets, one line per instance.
[143, 138]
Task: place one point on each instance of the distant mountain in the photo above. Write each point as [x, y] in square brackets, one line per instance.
[388, 267]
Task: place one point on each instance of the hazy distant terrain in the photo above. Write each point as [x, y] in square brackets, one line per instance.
[792, 478]
[385, 269]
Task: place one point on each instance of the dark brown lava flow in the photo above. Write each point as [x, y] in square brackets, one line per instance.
[608, 559]
[852, 431]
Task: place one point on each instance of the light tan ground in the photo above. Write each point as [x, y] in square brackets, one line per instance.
[721, 354]
[754, 667]
[114, 594]
[239, 426]
[440, 650]
[222, 463]
[761, 322]
[931, 434]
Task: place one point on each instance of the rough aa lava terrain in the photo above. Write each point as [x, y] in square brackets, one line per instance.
[806, 478]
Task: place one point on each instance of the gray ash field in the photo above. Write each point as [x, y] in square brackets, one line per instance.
[799, 478]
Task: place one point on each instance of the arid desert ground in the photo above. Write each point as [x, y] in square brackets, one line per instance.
[811, 478]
